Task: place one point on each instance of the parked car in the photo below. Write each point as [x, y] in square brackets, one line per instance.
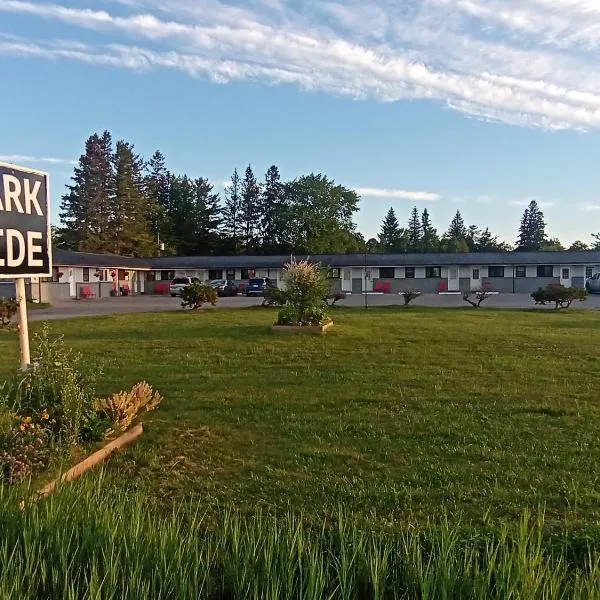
[257, 286]
[225, 287]
[592, 285]
[179, 283]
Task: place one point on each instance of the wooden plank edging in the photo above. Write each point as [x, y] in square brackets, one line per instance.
[93, 460]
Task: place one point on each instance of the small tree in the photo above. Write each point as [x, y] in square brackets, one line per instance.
[197, 294]
[336, 296]
[480, 297]
[561, 296]
[306, 287]
[409, 296]
[8, 308]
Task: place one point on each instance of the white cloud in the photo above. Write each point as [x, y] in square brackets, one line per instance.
[541, 203]
[21, 158]
[371, 192]
[590, 207]
[524, 62]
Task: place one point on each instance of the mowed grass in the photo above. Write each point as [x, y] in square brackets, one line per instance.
[397, 415]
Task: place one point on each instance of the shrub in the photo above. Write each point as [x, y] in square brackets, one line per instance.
[120, 409]
[8, 309]
[480, 297]
[197, 294]
[561, 296]
[274, 297]
[409, 296]
[287, 316]
[306, 287]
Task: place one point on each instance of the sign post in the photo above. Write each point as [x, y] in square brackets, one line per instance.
[25, 243]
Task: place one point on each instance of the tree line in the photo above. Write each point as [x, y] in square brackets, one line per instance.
[119, 203]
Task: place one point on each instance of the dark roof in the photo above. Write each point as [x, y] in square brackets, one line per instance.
[89, 259]
[380, 260]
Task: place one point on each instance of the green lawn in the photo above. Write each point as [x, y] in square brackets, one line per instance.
[394, 414]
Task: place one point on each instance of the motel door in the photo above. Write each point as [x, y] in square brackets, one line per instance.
[72, 284]
[347, 280]
[453, 280]
[565, 276]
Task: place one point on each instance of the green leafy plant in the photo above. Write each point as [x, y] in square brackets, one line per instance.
[306, 286]
[274, 297]
[195, 295]
[8, 308]
[559, 295]
[287, 316]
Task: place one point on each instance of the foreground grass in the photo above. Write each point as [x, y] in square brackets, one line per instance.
[397, 415]
[92, 541]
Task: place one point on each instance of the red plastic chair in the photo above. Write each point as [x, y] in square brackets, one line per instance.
[443, 286]
[387, 287]
[86, 293]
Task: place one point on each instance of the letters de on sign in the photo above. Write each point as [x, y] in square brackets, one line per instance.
[24, 223]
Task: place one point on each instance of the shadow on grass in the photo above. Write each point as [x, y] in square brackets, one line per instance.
[544, 411]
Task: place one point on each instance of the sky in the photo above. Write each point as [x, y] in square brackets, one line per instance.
[475, 105]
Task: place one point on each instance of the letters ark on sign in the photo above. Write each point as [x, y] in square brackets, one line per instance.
[25, 243]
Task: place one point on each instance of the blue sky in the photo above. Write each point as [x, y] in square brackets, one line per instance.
[477, 105]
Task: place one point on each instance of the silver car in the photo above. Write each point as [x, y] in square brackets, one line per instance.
[179, 283]
[592, 285]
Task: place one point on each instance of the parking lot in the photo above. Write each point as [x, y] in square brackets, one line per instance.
[109, 306]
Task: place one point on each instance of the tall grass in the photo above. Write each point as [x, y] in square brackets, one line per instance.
[89, 541]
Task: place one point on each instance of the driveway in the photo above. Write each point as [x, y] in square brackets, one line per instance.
[111, 306]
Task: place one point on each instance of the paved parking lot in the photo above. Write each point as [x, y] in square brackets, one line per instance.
[109, 306]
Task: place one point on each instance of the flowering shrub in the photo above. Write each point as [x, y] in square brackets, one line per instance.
[306, 287]
[197, 294]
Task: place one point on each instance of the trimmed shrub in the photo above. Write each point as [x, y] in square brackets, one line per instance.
[8, 309]
[480, 297]
[196, 294]
[274, 297]
[336, 296]
[561, 296]
[409, 296]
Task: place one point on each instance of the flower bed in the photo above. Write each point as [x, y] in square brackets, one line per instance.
[321, 328]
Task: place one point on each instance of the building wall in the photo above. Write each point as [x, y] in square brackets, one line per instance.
[7, 289]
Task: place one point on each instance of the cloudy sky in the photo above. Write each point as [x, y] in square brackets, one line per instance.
[479, 105]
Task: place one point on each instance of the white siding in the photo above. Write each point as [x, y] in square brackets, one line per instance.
[445, 272]
[465, 272]
[420, 273]
[400, 272]
[357, 273]
[531, 271]
[578, 271]
[556, 271]
[483, 272]
[374, 272]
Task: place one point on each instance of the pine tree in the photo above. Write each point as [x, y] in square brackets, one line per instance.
[532, 232]
[207, 218]
[272, 223]
[182, 215]
[232, 218]
[86, 208]
[457, 230]
[130, 212]
[250, 211]
[157, 184]
[414, 231]
[429, 237]
[390, 232]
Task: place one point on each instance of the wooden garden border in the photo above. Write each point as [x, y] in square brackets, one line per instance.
[303, 329]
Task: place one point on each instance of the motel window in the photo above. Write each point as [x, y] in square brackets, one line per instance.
[86, 274]
[410, 273]
[476, 274]
[495, 271]
[215, 274]
[151, 276]
[521, 272]
[55, 273]
[167, 275]
[589, 272]
[566, 273]
[386, 273]
[545, 271]
[433, 272]
[230, 275]
[335, 274]
[248, 273]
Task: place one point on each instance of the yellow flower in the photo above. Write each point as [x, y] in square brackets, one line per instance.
[22, 427]
[27, 420]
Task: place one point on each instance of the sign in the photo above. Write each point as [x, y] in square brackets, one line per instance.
[25, 244]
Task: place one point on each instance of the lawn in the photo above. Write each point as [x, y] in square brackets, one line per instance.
[395, 414]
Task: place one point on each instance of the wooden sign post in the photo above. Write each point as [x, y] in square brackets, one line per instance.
[25, 243]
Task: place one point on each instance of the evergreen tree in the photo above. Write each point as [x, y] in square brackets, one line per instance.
[157, 184]
[429, 237]
[272, 222]
[414, 231]
[207, 218]
[250, 211]
[86, 207]
[552, 245]
[457, 230]
[472, 237]
[595, 241]
[532, 232]
[390, 232]
[485, 242]
[232, 217]
[182, 216]
[578, 246]
[131, 213]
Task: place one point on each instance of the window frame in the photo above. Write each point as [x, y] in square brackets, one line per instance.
[248, 274]
[230, 274]
[335, 273]
[589, 270]
[478, 271]
[562, 273]
[410, 272]
[430, 272]
[520, 271]
[213, 274]
[86, 274]
[493, 269]
[544, 274]
[387, 270]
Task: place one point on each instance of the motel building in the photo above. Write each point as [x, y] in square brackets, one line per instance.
[81, 275]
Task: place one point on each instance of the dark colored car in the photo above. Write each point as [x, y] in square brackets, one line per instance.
[225, 287]
[257, 286]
